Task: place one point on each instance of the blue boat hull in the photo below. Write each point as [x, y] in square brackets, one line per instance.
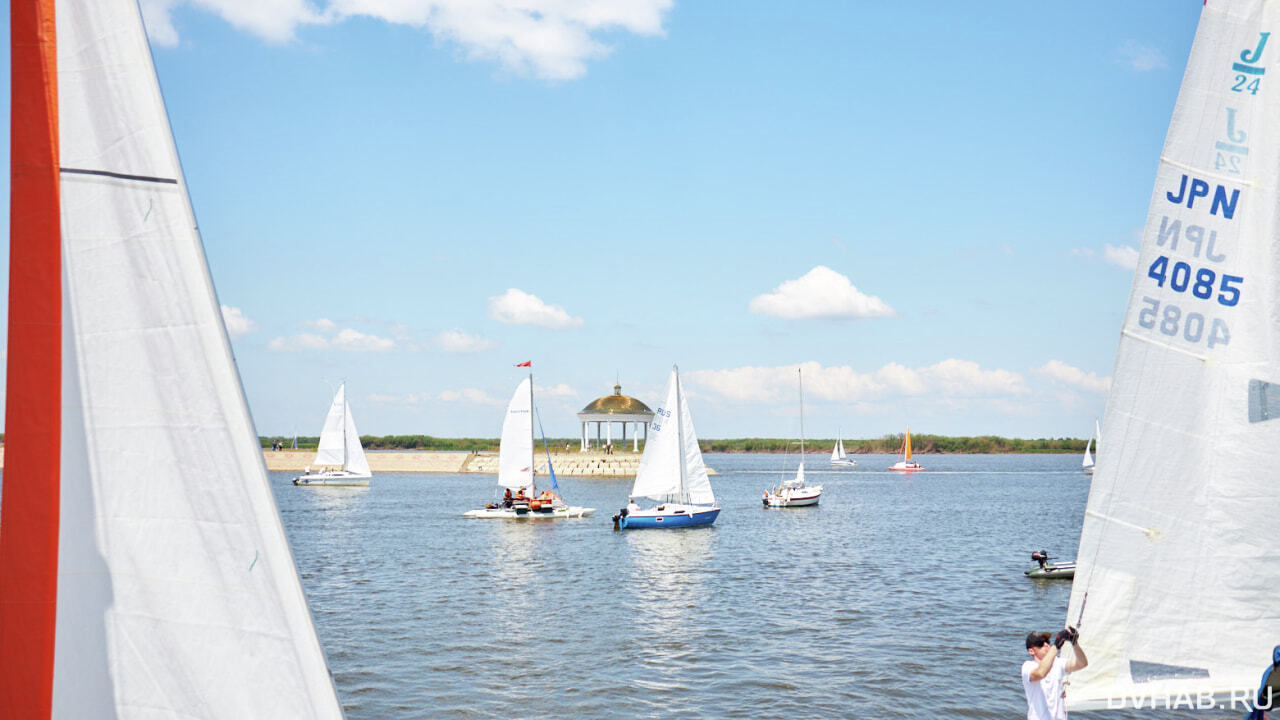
[673, 520]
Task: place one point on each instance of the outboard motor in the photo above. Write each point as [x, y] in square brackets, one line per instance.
[617, 519]
[1041, 557]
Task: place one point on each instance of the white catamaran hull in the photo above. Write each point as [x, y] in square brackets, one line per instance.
[568, 511]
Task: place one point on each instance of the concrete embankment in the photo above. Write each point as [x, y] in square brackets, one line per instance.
[588, 464]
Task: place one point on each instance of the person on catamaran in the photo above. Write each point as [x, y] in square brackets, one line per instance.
[1042, 676]
[506, 498]
[520, 495]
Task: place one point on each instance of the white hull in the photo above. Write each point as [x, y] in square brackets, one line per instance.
[793, 497]
[843, 463]
[906, 466]
[568, 511]
[337, 477]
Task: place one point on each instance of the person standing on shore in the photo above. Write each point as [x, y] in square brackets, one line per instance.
[1043, 675]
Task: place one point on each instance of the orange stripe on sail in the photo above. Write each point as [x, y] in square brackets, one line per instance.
[29, 504]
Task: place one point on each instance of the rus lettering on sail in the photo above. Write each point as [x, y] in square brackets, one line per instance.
[1191, 188]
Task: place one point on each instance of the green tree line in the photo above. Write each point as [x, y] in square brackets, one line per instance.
[887, 444]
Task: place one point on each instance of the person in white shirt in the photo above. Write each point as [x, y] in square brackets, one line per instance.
[1043, 675]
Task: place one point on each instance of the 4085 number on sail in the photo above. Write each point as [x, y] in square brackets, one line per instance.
[1193, 327]
[1202, 282]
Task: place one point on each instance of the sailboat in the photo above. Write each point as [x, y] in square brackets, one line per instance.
[516, 469]
[794, 492]
[671, 471]
[340, 457]
[144, 570]
[1178, 568]
[838, 455]
[906, 463]
[1087, 462]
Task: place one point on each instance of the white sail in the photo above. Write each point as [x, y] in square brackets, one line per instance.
[665, 474]
[836, 454]
[357, 463]
[332, 450]
[840, 448]
[1178, 566]
[1087, 461]
[800, 473]
[177, 595]
[515, 452]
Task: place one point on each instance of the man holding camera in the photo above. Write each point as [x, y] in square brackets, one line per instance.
[1043, 675]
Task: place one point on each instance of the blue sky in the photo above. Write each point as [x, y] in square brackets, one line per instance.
[933, 207]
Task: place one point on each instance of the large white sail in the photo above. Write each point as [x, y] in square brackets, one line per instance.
[332, 450]
[177, 595]
[665, 474]
[1178, 566]
[515, 453]
[357, 463]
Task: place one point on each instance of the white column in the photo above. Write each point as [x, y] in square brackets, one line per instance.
[635, 440]
[608, 431]
[583, 446]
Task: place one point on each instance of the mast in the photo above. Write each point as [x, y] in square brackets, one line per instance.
[680, 429]
[344, 424]
[533, 471]
[800, 378]
[30, 506]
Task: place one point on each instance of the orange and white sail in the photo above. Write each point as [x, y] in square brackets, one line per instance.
[144, 570]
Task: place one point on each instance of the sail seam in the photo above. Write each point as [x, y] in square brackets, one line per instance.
[119, 176]
[1145, 339]
[1203, 173]
[1150, 532]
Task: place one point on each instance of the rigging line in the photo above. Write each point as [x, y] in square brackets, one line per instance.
[1150, 532]
[1143, 338]
[119, 176]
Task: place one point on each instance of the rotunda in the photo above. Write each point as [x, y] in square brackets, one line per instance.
[610, 409]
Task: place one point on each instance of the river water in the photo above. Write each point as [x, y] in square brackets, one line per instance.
[900, 596]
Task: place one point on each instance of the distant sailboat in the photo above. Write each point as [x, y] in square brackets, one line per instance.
[144, 570]
[1087, 462]
[906, 463]
[794, 492]
[838, 456]
[340, 458]
[516, 469]
[671, 471]
[1178, 565]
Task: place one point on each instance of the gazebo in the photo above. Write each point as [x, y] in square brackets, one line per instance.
[610, 409]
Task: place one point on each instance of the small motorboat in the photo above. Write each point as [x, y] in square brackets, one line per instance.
[1049, 569]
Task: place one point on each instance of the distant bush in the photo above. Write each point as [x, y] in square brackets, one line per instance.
[889, 444]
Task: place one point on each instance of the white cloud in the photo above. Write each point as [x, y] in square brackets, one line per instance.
[236, 322]
[347, 339]
[1074, 377]
[321, 324]
[1142, 58]
[1124, 256]
[410, 399]
[556, 391]
[457, 341]
[354, 340]
[470, 396]
[515, 307]
[549, 39]
[819, 293]
[950, 378]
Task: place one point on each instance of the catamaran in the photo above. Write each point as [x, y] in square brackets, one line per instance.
[340, 457]
[671, 471]
[906, 463]
[838, 456]
[144, 570]
[1178, 567]
[517, 470]
[794, 492]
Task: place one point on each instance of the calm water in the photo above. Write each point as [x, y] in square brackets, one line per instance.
[899, 596]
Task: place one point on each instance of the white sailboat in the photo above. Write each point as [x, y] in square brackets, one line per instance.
[144, 570]
[1087, 461]
[794, 492]
[340, 457]
[1178, 567]
[516, 469]
[839, 457]
[671, 471]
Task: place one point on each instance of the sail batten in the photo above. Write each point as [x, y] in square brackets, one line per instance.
[1176, 571]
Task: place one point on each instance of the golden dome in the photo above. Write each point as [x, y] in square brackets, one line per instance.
[617, 404]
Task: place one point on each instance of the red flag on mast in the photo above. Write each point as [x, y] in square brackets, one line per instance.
[526, 363]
